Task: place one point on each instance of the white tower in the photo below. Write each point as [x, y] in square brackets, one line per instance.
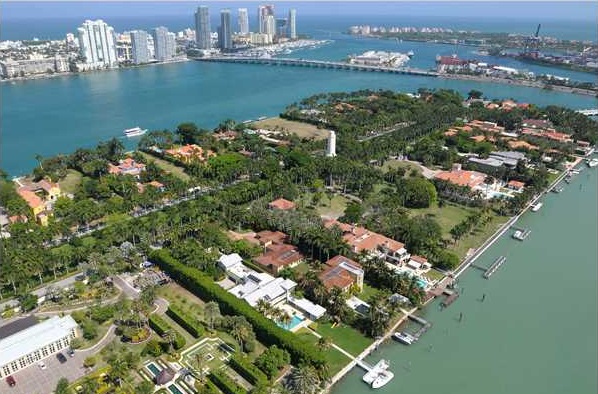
[331, 148]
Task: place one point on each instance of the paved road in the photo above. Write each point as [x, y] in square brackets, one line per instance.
[66, 282]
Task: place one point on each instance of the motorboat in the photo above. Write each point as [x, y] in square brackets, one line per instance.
[378, 375]
[134, 132]
[536, 207]
[592, 163]
[383, 378]
[404, 338]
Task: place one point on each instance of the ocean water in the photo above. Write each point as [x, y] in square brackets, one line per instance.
[534, 333]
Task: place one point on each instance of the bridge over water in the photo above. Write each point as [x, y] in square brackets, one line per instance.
[317, 64]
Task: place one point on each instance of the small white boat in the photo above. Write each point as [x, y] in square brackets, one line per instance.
[383, 378]
[536, 208]
[404, 338]
[410, 53]
[379, 375]
[592, 163]
[134, 132]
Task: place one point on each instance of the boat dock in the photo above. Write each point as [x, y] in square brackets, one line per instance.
[521, 234]
[425, 325]
[450, 298]
[493, 267]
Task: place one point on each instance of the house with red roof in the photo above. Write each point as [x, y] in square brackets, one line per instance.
[361, 239]
[190, 153]
[127, 166]
[516, 186]
[40, 196]
[277, 255]
[342, 272]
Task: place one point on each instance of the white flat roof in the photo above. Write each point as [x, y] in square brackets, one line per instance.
[230, 260]
[307, 306]
[33, 338]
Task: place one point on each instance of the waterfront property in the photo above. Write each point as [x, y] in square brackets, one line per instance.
[376, 245]
[25, 341]
[127, 166]
[189, 153]
[40, 196]
[343, 273]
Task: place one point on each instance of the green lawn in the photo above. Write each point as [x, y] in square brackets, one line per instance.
[335, 359]
[394, 164]
[167, 166]
[333, 208]
[476, 239]
[448, 216]
[433, 275]
[368, 293]
[345, 337]
[71, 181]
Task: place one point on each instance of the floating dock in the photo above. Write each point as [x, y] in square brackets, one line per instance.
[450, 298]
[494, 267]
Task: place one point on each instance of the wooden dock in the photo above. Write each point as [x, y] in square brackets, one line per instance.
[425, 325]
[449, 299]
[494, 267]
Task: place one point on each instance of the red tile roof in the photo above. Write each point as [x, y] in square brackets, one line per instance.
[470, 179]
[336, 276]
[516, 184]
[278, 256]
[30, 197]
[281, 204]
[361, 238]
[271, 237]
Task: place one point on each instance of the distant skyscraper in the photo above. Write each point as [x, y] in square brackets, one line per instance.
[202, 27]
[331, 146]
[164, 44]
[262, 12]
[243, 21]
[270, 25]
[96, 44]
[292, 24]
[225, 40]
[139, 48]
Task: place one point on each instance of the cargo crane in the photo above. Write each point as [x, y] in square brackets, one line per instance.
[531, 45]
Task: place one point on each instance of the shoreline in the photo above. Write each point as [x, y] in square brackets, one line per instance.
[458, 271]
[529, 84]
[37, 77]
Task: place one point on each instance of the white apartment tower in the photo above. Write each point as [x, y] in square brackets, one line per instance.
[270, 25]
[331, 147]
[262, 12]
[292, 24]
[202, 28]
[139, 47]
[97, 44]
[164, 44]
[243, 21]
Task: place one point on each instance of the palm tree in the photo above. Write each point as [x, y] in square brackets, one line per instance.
[211, 313]
[304, 380]
[264, 307]
[241, 330]
[324, 343]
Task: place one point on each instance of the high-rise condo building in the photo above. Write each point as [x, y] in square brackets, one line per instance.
[139, 49]
[202, 27]
[292, 24]
[262, 12]
[331, 145]
[243, 21]
[270, 25]
[97, 44]
[164, 44]
[225, 40]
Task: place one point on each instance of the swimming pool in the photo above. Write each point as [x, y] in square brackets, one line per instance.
[295, 321]
[174, 389]
[153, 368]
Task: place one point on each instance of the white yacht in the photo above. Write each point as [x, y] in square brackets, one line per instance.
[379, 375]
[536, 208]
[592, 163]
[404, 338]
[134, 132]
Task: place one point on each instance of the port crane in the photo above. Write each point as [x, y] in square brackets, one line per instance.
[531, 45]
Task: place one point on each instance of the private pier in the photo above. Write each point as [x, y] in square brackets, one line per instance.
[493, 267]
[316, 64]
[450, 298]
[425, 325]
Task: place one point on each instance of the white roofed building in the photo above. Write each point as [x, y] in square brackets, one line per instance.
[21, 348]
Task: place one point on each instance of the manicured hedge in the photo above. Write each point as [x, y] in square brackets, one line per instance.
[250, 372]
[158, 325]
[192, 325]
[265, 329]
[225, 383]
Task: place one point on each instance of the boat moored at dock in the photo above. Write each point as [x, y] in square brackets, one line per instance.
[522, 234]
[404, 337]
[378, 375]
[592, 163]
[536, 207]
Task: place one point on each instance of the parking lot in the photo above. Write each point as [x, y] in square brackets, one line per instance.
[34, 380]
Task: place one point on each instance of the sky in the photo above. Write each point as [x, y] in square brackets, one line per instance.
[565, 10]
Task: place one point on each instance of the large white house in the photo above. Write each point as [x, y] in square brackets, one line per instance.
[25, 342]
